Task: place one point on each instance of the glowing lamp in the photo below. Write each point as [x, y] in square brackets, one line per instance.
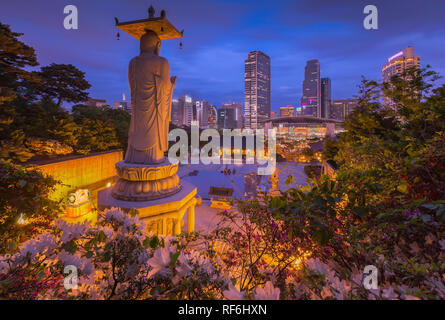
[78, 203]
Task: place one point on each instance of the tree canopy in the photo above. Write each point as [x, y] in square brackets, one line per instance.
[34, 124]
[63, 82]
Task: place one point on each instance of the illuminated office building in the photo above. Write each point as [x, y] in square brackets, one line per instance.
[396, 65]
[287, 111]
[311, 99]
[256, 89]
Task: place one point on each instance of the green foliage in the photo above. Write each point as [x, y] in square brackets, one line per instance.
[63, 82]
[15, 56]
[117, 118]
[96, 135]
[401, 144]
[23, 198]
[330, 149]
[312, 171]
[308, 152]
[32, 122]
[386, 206]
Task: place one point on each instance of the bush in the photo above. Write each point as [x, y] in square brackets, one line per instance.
[25, 209]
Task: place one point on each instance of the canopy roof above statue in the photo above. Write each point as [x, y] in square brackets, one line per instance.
[163, 28]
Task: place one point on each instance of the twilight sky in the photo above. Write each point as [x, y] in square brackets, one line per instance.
[219, 34]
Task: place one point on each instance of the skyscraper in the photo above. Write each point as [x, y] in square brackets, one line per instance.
[256, 89]
[204, 115]
[325, 97]
[212, 116]
[340, 109]
[396, 64]
[311, 99]
[177, 113]
[188, 110]
[230, 116]
[238, 114]
[182, 111]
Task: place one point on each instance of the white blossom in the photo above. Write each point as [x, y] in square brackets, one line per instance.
[233, 293]
[269, 292]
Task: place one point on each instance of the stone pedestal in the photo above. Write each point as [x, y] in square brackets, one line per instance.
[142, 182]
[163, 215]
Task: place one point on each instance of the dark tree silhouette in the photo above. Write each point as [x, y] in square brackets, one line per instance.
[63, 82]
[14, 57]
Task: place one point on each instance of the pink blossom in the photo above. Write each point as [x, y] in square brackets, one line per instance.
[233, 293]
[161, 259]
[269, 292]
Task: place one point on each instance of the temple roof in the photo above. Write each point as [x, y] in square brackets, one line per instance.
[163, 28]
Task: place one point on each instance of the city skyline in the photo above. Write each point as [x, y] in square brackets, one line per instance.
[210, 65]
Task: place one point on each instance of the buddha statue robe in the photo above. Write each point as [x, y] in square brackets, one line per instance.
[151, 96]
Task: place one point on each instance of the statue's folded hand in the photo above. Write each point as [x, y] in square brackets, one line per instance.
[173, 81]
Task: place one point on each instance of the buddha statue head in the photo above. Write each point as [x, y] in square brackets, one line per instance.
[150, 42]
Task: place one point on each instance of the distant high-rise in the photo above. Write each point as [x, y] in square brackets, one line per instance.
[237, 114]
[185, 110]
[177, 113]
[212, 116]
[96, 102]
[204, 114]
[325, 97]
[230, 116]
[396, 64]
[126, 105]
[256, 89]
[287, 111]
[311, 100]
[340, 109]
[182, 111]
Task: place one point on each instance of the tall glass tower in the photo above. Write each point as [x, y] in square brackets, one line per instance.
[325, 97]
[256, 89]
[311, 99]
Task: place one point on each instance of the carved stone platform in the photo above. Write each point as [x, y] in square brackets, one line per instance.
[143, 182]
[162, 216]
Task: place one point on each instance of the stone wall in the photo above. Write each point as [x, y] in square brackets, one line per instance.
[92, 171]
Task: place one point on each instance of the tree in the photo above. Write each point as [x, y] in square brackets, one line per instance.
[308, 152]
[401, 146]
[330, 149]
[25, 209]
[63, 82]
[15, 56]
[96, 135]
[118, 118]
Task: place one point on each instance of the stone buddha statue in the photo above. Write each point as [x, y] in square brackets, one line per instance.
[151, 97]
[146, 174]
